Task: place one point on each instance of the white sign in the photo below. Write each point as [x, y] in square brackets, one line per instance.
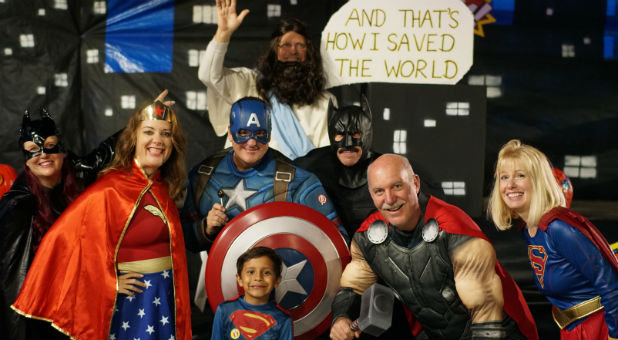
[398, 41]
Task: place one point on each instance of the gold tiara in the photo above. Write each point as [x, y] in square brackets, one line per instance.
[156, 111]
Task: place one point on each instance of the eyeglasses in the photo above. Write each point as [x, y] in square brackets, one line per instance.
[298, 46]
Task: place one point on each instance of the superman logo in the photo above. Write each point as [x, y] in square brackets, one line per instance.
[538, 257]
[252, 324]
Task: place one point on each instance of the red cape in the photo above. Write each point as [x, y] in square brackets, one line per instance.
[580, 223]
[72, 280]
[455, 221]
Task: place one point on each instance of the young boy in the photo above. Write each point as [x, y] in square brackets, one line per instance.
[254, 316]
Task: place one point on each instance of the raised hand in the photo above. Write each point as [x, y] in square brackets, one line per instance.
[228, 20]
[161, 98]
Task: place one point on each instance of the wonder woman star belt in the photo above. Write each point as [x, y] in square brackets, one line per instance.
[155, 265]
[581, 310]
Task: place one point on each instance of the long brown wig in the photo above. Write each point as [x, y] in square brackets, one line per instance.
[291, 83]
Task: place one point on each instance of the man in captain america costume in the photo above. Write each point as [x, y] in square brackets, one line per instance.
[248, 175]
[437, 261]
[232, 181]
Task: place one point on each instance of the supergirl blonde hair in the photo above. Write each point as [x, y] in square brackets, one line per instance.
[546, 193]
[172, 171]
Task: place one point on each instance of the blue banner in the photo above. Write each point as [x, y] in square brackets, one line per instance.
[139, 36]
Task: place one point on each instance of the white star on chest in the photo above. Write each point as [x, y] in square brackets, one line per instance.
[289, 282]
[238, 195]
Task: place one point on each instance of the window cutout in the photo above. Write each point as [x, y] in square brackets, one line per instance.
[399, 141]
[386, 114]
[493, 83]
[127, 102]
[61, 79]
[99, 7]
[454, 188]
[196, 100]
[60, 4]
[580, 166]
[457, 108]
[194, 58]
[92, 56]
[273, 10]
[568, 51]
[429, 123]
[26, 40]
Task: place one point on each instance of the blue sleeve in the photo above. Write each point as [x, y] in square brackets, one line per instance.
[587, 258]
[312, 194]
[287, 331]
[217, 326]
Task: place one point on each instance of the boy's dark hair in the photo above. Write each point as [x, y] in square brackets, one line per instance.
[256, 252]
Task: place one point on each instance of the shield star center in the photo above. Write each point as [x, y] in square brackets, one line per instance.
[289, 280]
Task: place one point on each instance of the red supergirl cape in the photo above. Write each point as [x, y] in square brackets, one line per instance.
[72, 280]
[455, 221]
[586, 227]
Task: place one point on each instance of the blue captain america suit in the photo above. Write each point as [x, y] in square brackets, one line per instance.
[218, 179]
[569, 269]
[246, 189]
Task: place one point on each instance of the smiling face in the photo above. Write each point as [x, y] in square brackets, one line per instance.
[47, 167]
[515, 187]
[258, 278]
[153, 146]
[393, 192]
[349, 156]
[248, 154]
[292, 48]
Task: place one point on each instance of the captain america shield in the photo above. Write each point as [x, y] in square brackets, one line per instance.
[313, 252]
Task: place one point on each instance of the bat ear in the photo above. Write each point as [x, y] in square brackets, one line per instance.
[365, 106]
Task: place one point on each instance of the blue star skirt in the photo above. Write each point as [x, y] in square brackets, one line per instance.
[148, 315]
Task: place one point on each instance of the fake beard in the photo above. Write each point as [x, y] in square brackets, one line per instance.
[291, 83]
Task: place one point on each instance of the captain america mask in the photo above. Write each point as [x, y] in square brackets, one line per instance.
[37, 132]
[250, 118]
